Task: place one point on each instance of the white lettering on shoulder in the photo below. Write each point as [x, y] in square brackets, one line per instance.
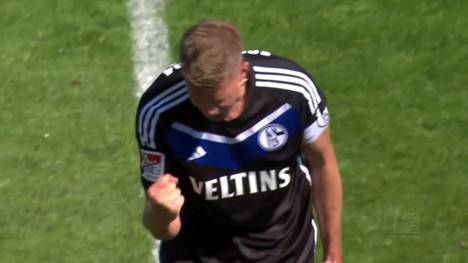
[169, 70]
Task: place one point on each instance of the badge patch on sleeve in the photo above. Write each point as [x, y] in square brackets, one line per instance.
[323, 118]
[152, 164]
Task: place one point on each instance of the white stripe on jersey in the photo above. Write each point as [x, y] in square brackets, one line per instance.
[154, 102]
[310, 86]
[304, 169]
[291, 87]
[149, 117]
[291, 80]
[314, 226]
[241, 137]
[152, 135]
[150, 112]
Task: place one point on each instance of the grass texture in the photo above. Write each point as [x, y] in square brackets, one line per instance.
[394, 73]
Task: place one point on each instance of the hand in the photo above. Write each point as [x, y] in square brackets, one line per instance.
[165, 197]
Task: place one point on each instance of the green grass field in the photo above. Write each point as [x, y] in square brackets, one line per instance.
[394, 73]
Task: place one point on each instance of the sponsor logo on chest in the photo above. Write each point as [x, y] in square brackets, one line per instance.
[245, 183]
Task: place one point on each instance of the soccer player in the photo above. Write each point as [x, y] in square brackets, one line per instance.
[235, 154]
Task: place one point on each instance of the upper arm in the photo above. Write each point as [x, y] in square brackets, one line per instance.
[166, 91]
[316, 142]
[319, 151]
[151, 166]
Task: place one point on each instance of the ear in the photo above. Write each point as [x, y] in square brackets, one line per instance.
[245, 69]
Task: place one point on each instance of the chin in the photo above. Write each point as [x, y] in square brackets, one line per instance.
[221, 118]
[217, 119]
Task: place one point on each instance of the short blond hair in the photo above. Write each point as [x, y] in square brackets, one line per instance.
[210, 52]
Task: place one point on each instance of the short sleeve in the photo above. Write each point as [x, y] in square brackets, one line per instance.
[315, 115]
[167, 91]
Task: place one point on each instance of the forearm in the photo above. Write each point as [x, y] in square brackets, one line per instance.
[160, 228]
[328, 196]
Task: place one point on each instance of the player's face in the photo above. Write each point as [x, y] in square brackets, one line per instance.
[225, 103]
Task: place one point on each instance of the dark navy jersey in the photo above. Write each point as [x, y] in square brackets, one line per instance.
[247, 194]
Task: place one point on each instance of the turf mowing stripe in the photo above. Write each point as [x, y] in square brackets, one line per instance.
[150, 49]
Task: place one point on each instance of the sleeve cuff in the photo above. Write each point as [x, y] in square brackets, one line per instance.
[313, 131]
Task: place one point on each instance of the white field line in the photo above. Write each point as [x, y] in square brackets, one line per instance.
[150, 41]
[150, 49]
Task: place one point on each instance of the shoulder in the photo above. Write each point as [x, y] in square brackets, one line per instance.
[280, 73]
[165, 93]
[168, 84]
[264, 59]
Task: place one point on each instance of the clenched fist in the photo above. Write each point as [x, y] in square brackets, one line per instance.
[163, 204]
[165, 198]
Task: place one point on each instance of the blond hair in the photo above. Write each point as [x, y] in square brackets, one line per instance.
[210, 52]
